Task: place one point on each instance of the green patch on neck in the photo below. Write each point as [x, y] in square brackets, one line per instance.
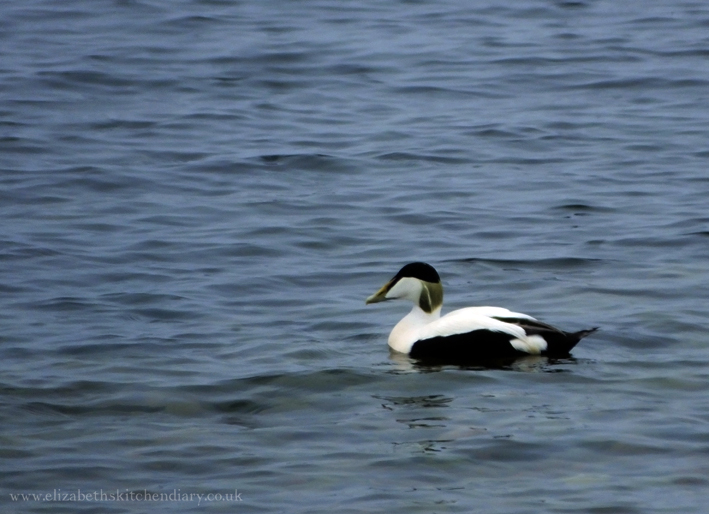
[431, 296]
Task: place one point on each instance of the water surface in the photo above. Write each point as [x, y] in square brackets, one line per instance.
[197, 196]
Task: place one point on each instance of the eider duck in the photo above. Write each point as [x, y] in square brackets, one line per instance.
[469, 334]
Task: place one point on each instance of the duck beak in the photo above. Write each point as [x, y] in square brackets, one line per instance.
[380, 295]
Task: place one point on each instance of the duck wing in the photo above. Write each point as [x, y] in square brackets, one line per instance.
[483, 333]
[469, 335]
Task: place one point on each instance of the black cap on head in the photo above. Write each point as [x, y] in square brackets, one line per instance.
[419, 270]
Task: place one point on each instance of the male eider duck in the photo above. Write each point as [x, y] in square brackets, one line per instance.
[469, 334]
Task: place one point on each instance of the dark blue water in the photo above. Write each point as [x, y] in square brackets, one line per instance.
[197, 196]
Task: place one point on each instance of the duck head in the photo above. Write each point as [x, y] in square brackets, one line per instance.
[418, 282]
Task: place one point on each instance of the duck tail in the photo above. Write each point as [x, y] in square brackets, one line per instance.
[574, 337]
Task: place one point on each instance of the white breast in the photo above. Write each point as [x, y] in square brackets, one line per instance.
[409, 329]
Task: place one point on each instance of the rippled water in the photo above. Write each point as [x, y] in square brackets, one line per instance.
[197, 196]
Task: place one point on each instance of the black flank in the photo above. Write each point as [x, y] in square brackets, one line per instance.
[485, 345]
[478, 345]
